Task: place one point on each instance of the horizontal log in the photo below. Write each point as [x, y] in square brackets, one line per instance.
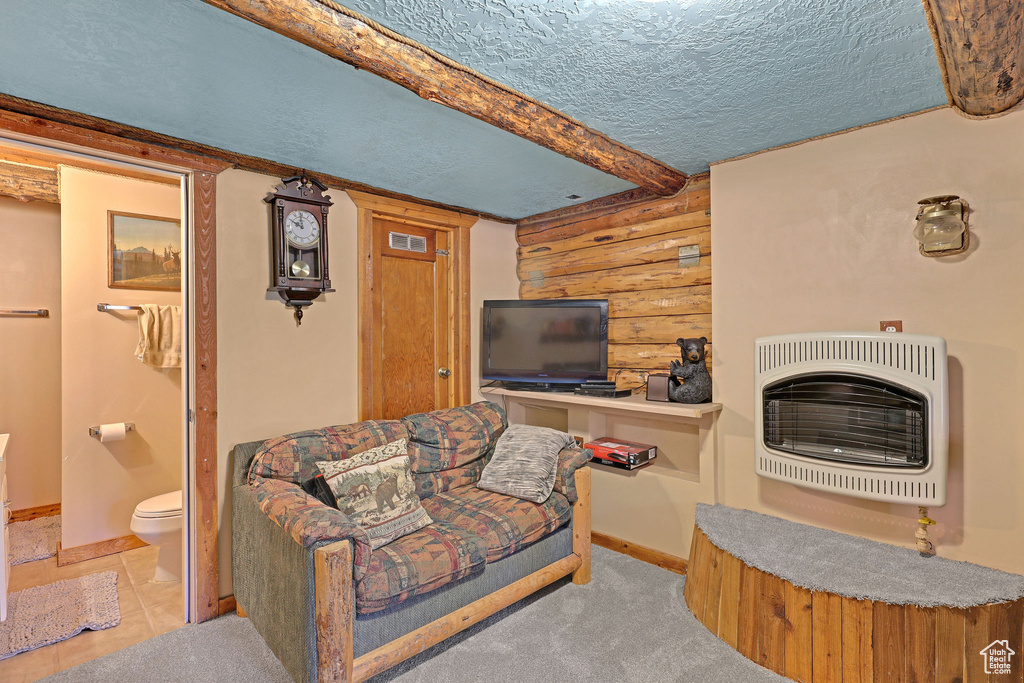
[29, 183]
[980, 45]
[52, 159]
[664, 329]
[403, 647]
[646, 356]
[53, 123]
[618, 234]
[627, 378]
[344, 35]
[614, 201]
[630, 279]
[633, 378]
[675, 301]
[697, 197]
[614, 256]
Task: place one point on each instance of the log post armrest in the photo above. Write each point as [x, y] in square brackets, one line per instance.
[581, 524]
[335, 612]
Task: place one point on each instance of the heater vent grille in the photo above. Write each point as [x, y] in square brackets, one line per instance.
[847, 418]
[865, 414]
[404, 242]
[878, 487]
[914, 358]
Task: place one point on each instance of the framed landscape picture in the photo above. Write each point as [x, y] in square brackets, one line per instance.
[144, 252]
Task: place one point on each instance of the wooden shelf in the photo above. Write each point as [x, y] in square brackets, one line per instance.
[637, 403]
[652, 506]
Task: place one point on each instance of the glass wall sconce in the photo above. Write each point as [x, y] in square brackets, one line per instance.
[942, 226]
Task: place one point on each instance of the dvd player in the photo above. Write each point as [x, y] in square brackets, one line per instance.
[603, 392]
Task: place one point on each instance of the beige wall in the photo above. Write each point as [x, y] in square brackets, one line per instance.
[30, 351]
[102, 379]
[261, 391]
[817, 237]
[492, 276]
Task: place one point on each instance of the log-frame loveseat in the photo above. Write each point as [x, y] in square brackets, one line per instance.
[297, 562]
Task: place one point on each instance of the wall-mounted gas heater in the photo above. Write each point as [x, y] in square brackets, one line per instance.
[856, 413]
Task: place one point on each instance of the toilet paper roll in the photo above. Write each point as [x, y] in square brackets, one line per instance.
[112, 432]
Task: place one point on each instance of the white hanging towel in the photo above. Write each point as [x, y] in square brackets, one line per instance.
[159, 336]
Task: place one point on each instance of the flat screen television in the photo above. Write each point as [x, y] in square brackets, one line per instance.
[545, 344]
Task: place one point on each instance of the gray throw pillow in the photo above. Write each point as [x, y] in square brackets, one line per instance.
[525, 462]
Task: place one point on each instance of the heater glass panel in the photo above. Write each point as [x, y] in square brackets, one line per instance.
[847, 418]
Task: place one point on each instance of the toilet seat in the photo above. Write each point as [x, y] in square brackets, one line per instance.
[160, 507]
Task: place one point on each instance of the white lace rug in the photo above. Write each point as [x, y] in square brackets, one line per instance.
[54, 612]
[35, 539]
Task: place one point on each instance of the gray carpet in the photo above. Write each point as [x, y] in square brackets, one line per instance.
[629, 624]
[56, 611]
[35, 539]
[854, 567]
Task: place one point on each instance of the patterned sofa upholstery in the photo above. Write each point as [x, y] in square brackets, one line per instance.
[480, 543]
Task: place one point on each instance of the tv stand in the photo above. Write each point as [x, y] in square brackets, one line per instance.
[545, 387]
[652, 506]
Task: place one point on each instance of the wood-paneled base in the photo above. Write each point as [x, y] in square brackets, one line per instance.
[227, 605]
[26, 514]
[819, 636]
[640, 552]
[80, 553]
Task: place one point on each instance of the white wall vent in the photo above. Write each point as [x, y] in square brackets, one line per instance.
[865, 414]
[404, 242]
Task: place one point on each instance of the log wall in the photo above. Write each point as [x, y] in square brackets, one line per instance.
[628, 254]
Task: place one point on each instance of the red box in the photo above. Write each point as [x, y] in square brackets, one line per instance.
[627, 455]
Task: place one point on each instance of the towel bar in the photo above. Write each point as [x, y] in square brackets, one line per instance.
[28, 313]
[104, 308]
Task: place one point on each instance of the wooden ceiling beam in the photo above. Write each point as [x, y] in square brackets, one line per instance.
[42, 120]
[51, 160]
[28, 183]
[980, 45]
[344, 35]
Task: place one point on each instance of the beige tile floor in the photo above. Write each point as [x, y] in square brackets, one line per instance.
[147, 609]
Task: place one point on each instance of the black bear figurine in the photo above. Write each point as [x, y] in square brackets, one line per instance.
[690, 381]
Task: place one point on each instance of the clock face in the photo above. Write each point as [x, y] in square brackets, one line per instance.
[301, 228]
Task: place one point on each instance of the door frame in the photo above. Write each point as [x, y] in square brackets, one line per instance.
[458, 226]
[200, 174]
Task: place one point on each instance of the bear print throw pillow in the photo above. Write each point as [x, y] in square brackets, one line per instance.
[375, 488]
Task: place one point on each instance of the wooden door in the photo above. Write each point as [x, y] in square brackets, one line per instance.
[414, 308]
[414, 322]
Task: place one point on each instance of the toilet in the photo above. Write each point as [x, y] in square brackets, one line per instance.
[157, 521]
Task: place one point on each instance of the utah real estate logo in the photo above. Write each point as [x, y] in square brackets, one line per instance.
[997, 657]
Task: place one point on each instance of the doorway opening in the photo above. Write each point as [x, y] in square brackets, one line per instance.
[94, 433]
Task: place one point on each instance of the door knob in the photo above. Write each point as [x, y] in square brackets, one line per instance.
[443, 372]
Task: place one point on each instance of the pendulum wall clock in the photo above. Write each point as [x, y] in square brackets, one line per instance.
[298, 220]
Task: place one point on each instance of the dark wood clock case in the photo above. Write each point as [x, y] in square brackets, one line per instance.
[298, 287]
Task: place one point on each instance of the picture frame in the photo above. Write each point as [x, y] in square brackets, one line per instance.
[143, 252]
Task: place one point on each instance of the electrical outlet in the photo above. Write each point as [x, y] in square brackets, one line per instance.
[891, 325]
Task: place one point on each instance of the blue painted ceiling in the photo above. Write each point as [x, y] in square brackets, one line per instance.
[691, 81]
[688, 82]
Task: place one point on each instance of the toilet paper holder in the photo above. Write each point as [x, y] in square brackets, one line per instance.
[128, 427]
